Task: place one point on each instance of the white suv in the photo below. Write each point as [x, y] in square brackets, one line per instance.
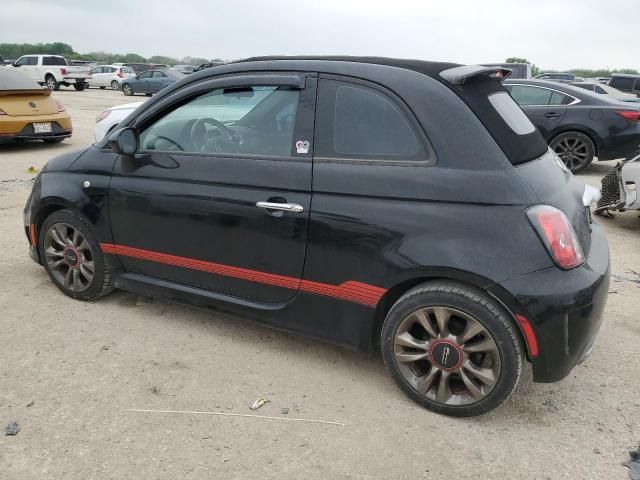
[104, 76]
[53, 71]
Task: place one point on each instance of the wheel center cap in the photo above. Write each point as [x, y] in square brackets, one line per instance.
[72, 257]
[446, 354]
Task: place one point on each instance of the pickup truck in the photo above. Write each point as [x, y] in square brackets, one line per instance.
[53, 71]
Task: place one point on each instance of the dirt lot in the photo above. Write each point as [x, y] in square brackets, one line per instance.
[82, 365]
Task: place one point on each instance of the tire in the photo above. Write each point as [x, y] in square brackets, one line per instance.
[102, 88]
[148, 94]
[127, 89]
[476, 374]
[52, 140]
[115, 85]
[79, 86]
[85, 252]
[51, 83]
[575, 149]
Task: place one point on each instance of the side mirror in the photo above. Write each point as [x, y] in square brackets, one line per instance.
[15, 64]
[124, 141]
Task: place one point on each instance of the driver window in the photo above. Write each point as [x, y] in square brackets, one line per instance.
[240, 121]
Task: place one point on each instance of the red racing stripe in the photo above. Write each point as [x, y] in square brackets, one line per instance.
[350, 291]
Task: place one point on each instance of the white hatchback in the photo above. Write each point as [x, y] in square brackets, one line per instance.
[104, 76]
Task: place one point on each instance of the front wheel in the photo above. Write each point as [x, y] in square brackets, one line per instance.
[72, 257]
[451, 349]
[575, 149]
[127, 89]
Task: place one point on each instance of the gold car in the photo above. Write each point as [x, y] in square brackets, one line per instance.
[28, 112]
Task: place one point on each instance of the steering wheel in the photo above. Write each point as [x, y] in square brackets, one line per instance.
[161, 137]
[198, 131]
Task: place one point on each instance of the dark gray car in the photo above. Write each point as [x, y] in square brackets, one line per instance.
[579, 125]
[150, 81]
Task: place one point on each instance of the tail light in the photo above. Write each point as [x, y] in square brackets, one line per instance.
[119, 73]
[558, 236]
[631, 115]
[63, 71]
[60, 106]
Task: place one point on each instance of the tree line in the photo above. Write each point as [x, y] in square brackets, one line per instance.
[579, 72]
[16, 50]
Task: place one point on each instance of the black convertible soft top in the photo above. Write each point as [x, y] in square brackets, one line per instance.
[473, 84]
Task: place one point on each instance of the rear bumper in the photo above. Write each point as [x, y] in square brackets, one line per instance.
[74, 80]
[564, 309]
[22, 127]
[622, 145]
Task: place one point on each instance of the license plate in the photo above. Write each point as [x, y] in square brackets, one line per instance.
[42, 127]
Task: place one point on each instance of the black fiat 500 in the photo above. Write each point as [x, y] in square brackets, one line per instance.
[375, 203]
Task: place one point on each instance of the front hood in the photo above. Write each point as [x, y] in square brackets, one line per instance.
[64, 161]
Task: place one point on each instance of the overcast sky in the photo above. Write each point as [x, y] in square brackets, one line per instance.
[555, 34]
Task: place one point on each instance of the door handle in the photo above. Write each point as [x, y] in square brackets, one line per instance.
[285, 207]
[552, 115]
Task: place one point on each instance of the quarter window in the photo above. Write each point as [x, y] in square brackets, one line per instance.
[358, 122]
[527, 95]
[238, 121]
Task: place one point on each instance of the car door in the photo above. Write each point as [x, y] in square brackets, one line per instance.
[28, 64]
[218, 195]
[159, 80]
[143, 82]
[545, 107]
[96, 76]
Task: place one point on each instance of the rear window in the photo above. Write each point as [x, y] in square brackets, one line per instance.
[53, 61]
[500, 120]
[622, 83]
[511, 113]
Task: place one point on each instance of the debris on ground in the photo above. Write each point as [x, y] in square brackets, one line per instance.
[155, 390]
[30, 404]
[261, 401]
[140, 301]
[633, 278]
[634, 464]
[32, 170]
[12, 429]
[285, 411]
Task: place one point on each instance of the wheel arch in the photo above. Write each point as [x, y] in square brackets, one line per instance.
[502, 298]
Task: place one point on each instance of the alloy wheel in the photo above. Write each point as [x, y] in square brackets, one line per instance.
[51, 83]
[115, 85]
[573, 151]
[127, 89]
[447, 355]
[68, 256]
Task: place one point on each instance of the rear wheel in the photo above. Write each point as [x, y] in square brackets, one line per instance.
[115, 85]
[72, 257]
[575, 149]
[451, 349]
[50, 82]
[79, 86]
[127, 89]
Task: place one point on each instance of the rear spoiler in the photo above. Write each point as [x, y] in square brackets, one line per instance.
[459, 75]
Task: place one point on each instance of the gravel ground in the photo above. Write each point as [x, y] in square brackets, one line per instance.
[70, 370]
